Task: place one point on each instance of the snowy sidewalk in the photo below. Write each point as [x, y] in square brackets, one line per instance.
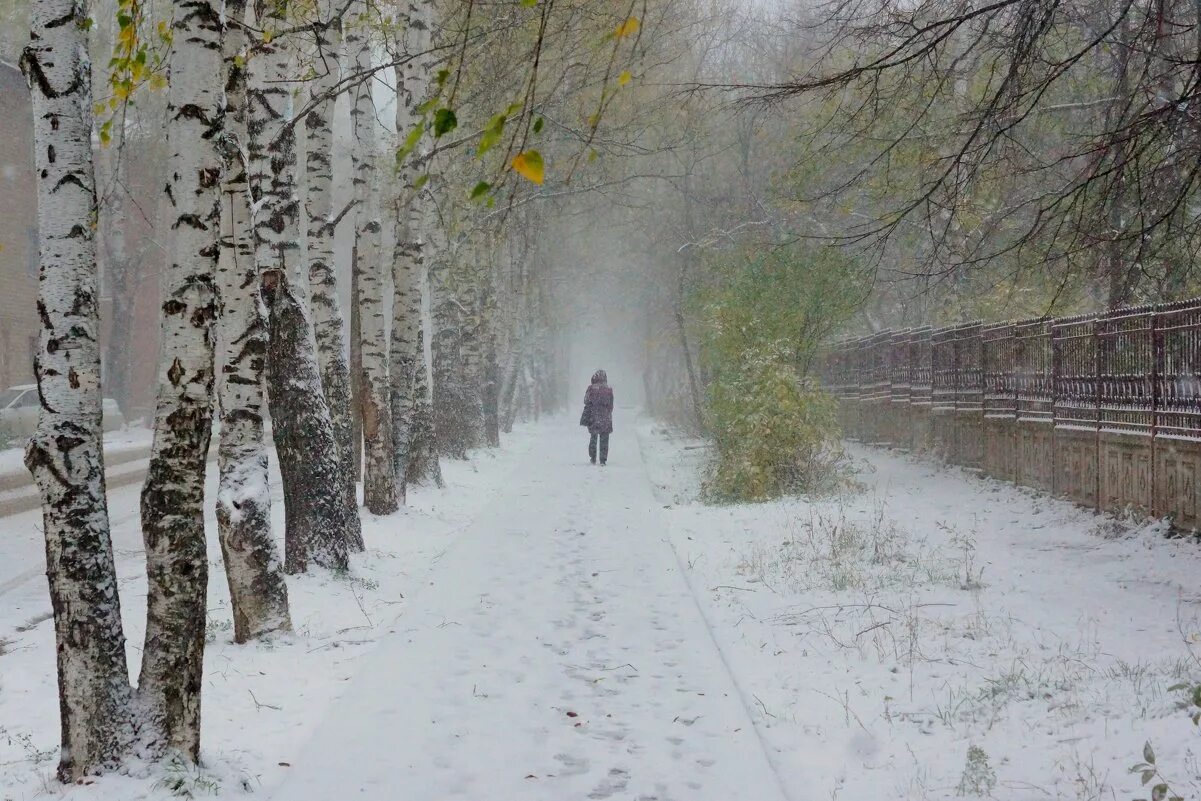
[557, 652]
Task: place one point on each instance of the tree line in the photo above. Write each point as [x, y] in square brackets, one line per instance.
[236, 103]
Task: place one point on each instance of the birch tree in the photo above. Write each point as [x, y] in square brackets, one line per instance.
[329, 324]
[457, 360]
[490, 391]
[379, 477]
[65, 453]
[173, 494]
[416, 455]
[118, 270]
[257, 590]
[320, 525]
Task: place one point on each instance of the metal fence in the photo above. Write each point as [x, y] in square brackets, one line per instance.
[1104, 409]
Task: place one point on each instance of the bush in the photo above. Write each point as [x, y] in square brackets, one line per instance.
[775, 433]
[762, 326]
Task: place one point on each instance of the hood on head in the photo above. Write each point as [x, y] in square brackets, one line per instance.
[599, 377]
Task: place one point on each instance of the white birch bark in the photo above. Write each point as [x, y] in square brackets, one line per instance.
[446, 354]
[173, 493]
[379, 477]
[490, 388]
[65, 454]
[320, 525]
[328, 321]
[412, 415]
[471, 370]
[253, 569]
[356, 376]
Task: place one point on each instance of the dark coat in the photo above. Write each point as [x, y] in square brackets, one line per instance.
[598, 407]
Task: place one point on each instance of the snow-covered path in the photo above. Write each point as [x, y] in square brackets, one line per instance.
[556, 652]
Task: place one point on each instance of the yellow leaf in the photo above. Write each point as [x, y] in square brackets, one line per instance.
[624, 78]
[627, 28]
[529, 166]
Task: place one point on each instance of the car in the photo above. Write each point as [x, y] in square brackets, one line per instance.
[19, 408]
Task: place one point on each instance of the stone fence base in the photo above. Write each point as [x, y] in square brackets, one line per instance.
[1110, 471]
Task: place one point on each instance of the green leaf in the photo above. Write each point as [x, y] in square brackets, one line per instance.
[492, 134]
[480, 190]
[529, 3]
[410, 143]
[1148, 753]
[442, 77]
[421, 181]
[538, 125]
[445, 121]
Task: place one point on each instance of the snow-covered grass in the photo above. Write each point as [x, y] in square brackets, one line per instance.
[932, 635]
[260, 701]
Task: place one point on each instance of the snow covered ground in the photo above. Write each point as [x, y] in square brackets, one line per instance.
[261, 701]
[936, 635]
[544, 629]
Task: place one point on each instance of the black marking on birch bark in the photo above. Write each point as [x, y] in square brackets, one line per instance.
[71, 179]
[66, 19]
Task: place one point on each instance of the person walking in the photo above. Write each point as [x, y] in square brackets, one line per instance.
[598, 416]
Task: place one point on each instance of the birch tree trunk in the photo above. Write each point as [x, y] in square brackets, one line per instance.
[424, 467]
[446, 346]
[356, 376]
[416, 457]
[518, 316]
[490, 389]
[65, 454]
[304, 439]
[257, 590]
[173, 494]
[320, 525]
[471, 370]
[408, 251]
[404, 357]
[117, 273]
[328, 323]
[379, 476]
